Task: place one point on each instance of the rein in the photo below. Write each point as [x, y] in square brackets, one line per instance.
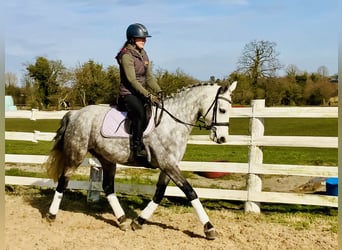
[200, 126]
[178, 120]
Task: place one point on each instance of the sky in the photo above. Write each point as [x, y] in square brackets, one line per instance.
[202, 38]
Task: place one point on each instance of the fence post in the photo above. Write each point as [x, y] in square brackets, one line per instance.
[33, 114]
[254, 183]
[35, 135]
[95, 181]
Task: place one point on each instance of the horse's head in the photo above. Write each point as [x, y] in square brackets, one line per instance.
[217, 115]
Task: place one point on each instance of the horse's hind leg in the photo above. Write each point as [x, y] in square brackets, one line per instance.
[109, 170]
[57, 198]
[162, 183]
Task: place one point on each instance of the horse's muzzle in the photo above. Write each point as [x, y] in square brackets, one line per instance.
[215, 138]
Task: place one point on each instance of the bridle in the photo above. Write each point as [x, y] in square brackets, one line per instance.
[214, 106]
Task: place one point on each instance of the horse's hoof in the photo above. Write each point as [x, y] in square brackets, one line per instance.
[50, 217]
[124, 226]
[123, 223]
[211, 234]
[136, 224]
[209, 230]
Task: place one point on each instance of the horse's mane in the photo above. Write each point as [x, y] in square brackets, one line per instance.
[186, 88]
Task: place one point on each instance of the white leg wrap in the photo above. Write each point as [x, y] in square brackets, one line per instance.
[149, 210]
[54, 207]
[114, 203]
[202, 215]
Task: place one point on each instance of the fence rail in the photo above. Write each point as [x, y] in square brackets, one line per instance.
[255, 168]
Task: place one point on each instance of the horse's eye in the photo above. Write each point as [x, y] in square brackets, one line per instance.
[222, 111]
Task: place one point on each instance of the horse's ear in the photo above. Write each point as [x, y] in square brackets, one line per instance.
[223, 89]
[232, 86]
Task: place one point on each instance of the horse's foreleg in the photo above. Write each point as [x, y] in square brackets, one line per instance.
[162, 183]
[108, 188]
[57, 198]
[191, 195]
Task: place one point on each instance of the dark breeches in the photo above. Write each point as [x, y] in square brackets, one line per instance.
[136, 112]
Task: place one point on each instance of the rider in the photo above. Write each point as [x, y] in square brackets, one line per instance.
[137, 83]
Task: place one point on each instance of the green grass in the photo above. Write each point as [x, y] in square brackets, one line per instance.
[301, 156]
[137, 176]
[275, 155]
[301, 127]
[20, 172]
[216, 153]
[28, 148]
[284, 127]
[279, 155]
[26, 125]
[238, 126]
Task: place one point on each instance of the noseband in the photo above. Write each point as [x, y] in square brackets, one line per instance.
[213, 106]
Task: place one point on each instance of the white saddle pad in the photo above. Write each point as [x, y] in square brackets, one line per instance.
[114, 124]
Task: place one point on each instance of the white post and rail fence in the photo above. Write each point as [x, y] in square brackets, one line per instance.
[254, 168]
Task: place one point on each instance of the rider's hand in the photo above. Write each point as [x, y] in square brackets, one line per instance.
[154, 100]
[160, 95]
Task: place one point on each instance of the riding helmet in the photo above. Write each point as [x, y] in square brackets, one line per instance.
[136, 30]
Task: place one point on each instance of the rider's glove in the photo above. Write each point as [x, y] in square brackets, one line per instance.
[160, 95]
[154, 99]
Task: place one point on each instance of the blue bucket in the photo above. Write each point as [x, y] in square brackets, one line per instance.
[332, 186]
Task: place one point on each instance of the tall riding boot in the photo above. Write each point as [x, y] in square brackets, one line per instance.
[139, 149]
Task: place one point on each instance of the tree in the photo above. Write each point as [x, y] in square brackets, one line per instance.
[319, 92]
[47, 76]
[171, 82]
[11, 84]
[302, 78]
[113, 78]
[29, 91]
[259, 59]
[291, 72]
[10, 79]
[91, 83]
[323, 71]
[243, 94]
[12, 88]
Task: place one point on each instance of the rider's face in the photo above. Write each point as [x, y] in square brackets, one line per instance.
[140, 42]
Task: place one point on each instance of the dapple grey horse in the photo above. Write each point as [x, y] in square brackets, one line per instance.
[79, 134]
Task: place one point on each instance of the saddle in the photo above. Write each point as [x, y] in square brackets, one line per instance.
[116, 124]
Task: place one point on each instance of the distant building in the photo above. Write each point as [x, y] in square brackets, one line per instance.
[334, 79]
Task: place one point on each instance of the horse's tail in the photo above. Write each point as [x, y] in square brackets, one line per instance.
[55, 163]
